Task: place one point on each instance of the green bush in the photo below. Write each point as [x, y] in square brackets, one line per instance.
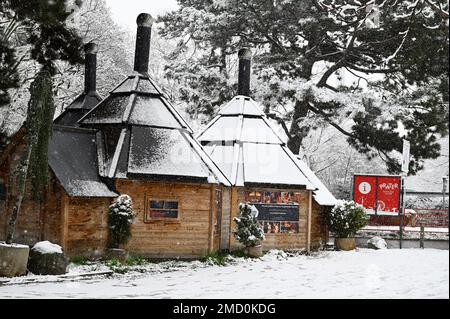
[79, 260]
[346, 218]
[120, 218]
[131, 264]
[215, 259]
[248, 232]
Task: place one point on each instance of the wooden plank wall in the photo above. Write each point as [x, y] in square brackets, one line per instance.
[225, 224]
[37, 218]
[319, 231]
[284, 241]
[187, 237]
[84, 223]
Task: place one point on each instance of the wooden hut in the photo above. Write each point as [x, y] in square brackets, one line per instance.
[263, 171]
[148, 151]
[133, 142]
[72, 210]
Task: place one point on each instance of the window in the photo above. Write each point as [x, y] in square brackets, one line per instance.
[162, 209]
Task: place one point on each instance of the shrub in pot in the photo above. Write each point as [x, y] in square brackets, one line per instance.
[120, 218]
[344, 220]
[248, 232]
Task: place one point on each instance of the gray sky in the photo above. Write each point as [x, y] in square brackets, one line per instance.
[125, 11]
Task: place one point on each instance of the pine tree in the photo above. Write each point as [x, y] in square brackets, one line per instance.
[381, 64]
[248, 231]
[34, 160]
[121, 216]
[42, 26]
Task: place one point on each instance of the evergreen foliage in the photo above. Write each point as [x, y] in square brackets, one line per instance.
[39, 127]
[346, 218]
[394, 52]
[43, 27]
[120, 218]
[248, 232]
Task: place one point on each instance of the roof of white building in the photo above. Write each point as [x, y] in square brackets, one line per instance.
[243, 143]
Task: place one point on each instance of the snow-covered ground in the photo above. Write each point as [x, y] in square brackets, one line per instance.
[364, 273]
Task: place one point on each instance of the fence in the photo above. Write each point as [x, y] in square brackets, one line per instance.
[432, 217]
[436, 218]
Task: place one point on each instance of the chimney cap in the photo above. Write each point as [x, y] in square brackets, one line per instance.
[245, 53]
[145, 20]
[90, 48]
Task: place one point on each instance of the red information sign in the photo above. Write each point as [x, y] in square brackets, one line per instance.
[365, 189]
[388, 194]
[379, 194]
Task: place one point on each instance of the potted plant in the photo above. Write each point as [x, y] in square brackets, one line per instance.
[120, 218]
[344, 220]
[248, 231]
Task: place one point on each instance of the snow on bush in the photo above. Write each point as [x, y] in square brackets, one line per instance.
[121, 216]
[248, 231]
[346, 218]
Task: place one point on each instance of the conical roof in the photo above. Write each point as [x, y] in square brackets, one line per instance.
[152, 139]
[78, 108]
[89, 98]
[243, 143]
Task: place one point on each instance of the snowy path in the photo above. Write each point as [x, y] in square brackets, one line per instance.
[408, 273]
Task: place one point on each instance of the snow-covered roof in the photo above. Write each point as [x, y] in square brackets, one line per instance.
[72, 156]
[241, 105]
[78, 108]
[151, 139]
[247, 148]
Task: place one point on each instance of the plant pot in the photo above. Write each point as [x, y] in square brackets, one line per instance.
[255, 251]
[120, 254]
[346, 244]
[13, 259]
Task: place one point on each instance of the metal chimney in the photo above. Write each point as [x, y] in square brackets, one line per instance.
[143, 36]
[90, 68]
[245, 64]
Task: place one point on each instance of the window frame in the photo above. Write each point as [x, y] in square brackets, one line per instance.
[147, 210]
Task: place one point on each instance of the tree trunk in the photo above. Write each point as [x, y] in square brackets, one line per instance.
[22, 181]
[298, 133]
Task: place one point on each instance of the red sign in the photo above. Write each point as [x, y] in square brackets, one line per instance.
[365, 189]
[377, 193]
[388, 199]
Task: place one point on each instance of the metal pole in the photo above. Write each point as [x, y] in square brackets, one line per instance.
[422, 236]
[402, 210]
[444, 190]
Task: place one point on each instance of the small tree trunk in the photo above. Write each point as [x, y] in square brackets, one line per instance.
[39, 121]
[298, 133]
[22, 181]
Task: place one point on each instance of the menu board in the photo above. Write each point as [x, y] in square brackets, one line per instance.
[278, 212]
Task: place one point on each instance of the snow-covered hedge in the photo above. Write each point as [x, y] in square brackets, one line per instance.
[121, 216]
[248, 231]
[346, 218]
